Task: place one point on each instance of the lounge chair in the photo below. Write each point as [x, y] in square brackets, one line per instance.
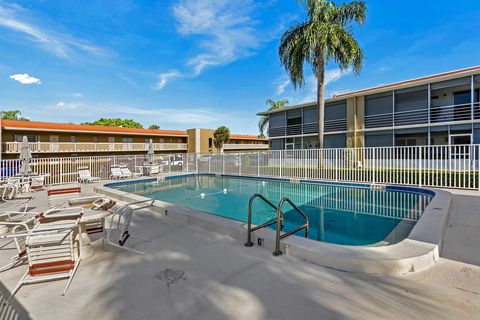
[18, 222]
[116, 173]
[85, 176]
[119, 230]
[13, 187]
[38, 183]
[53, 249]
[127, 173]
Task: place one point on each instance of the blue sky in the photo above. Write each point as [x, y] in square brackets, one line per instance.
[203, 63]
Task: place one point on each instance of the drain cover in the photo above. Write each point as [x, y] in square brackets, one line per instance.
[170, 276]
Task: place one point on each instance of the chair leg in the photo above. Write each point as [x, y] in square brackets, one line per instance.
[18, 286]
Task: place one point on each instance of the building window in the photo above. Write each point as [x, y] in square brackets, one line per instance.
[294, 117]
[278, 144]
[310, 143]
[73, 139]
[210, 142]
[379, 138]
[95, 139]
[127, 140]
[411, 137]
[30, 138]
[335, 140]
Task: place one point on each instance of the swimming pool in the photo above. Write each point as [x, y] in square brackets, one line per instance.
[341, 214]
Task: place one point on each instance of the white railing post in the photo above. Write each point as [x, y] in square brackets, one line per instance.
[258, 164]
[239, 164]
[374, 166]
[280, 157]
[223, 163]
[336, 164]
[420, 166]
[209, 167]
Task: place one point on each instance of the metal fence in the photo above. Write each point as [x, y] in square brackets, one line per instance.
[454, 166]
[434, 166]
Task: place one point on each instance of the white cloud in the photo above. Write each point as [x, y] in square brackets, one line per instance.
[309, 94]
[282, 86]
[62, 45]
[25, 78]
[225, 31]
[77, 94]
[65, 105]
[163, 78]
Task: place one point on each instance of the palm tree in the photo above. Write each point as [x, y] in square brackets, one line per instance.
[325, 35]
[221, 135]
[12, 115]
[274, 105]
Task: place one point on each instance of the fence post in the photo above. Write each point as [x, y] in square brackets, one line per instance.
[336, 164]
[239, 164]
[258, 164]
[374, 166]
[223, 163]
[304, 164]
[280, 157]
[185, 156]
[61, 170]
[209, 171]
[420, 160]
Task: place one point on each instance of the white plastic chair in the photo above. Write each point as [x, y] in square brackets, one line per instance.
[85, 176]
[119, 230]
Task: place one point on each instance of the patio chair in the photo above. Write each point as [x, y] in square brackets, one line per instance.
[18, 222]
[85, 176]
[38, 183]
[60, 196]
[116, 173]
[53, 249]
[13, 187]
[119, 230]
[127, 173]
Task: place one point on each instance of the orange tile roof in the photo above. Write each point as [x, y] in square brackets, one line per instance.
[52, 126]
[246, 137]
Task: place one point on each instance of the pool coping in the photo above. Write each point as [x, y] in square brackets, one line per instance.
[420, 250]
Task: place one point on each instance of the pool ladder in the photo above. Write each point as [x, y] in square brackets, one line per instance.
[279, 221]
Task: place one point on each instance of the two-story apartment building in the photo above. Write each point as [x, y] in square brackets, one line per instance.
[433, 110]
[49, 139]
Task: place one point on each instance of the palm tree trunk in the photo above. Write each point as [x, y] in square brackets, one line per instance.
[320, 98]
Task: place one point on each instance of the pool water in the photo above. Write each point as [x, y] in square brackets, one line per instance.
[337, 214]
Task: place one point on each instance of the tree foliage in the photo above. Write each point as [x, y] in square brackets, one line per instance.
[124, 123]
[13, 115]
[221, 135]
[154, 127]
[273, 105]
[325, 35]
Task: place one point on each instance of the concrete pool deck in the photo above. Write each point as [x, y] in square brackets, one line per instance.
[218, 278]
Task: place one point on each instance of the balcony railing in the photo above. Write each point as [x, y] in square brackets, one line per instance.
[54, 147]
[234, 146]
[307, 128]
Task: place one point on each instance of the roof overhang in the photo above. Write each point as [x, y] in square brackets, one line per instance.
[388, 87]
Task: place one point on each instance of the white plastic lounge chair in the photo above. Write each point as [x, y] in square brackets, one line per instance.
[127, 173]
[154, 169]
[116, 173]
[18, 222]
[59, 196]
[119, 230]
[38, 183]
[53, 249]
[13, 187]
[85, 176]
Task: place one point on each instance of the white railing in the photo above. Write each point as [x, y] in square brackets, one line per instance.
[65, 170]
[235, 146]
[430, 166]
[53, 147]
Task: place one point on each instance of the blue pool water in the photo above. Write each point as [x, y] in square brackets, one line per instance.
[337, 214]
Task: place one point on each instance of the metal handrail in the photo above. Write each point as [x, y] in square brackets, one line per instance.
[279, 236]
[249, 242]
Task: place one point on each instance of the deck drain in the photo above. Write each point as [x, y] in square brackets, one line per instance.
[170, 276]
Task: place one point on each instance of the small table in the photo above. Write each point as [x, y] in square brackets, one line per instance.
[90, 215]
